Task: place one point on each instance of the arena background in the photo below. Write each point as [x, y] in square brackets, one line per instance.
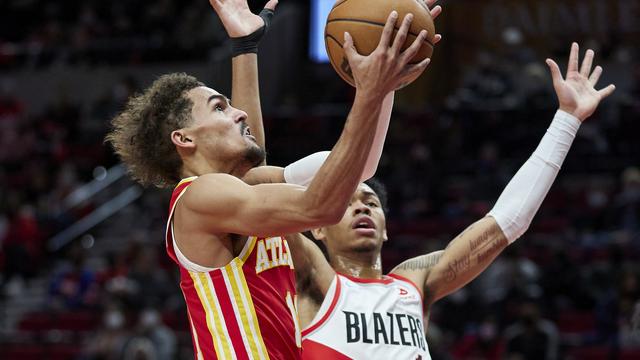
[84, 273]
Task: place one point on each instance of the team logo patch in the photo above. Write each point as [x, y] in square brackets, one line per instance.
[406, 296]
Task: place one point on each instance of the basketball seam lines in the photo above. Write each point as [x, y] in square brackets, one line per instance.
[375, 23]
[331, 59]
[338, 42]
[338, 4]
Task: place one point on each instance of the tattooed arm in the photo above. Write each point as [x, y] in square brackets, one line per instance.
[466, 256]
[473, 250]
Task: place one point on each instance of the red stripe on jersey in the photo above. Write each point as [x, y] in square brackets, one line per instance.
[312, 350]
[222, 295]
[198, 316]
[267, 291]
[334, 301]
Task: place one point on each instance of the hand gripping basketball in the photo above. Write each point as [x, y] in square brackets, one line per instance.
[387, 68]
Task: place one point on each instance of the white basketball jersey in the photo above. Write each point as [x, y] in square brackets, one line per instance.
[366, 319]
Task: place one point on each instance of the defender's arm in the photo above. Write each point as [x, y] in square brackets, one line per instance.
[473, 250]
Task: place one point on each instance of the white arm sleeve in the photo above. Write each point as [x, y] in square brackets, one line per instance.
[302, 171]
[524, 194]
[381, 135]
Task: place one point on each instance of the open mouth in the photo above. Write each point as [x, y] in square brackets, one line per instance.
[363, 222]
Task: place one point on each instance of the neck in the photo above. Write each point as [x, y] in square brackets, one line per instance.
[202, 166]
[365, 266]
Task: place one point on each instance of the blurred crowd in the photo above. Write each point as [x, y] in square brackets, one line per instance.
[568, 289]
[94, 32]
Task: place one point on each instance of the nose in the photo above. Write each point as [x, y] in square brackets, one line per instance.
[361, 208]
[239, 115]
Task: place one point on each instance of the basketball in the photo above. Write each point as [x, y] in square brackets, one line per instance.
[364, 20]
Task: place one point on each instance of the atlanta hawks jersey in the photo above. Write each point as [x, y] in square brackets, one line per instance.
[367, 319]
[246, 309]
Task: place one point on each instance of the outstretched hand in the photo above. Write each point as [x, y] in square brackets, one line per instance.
[237, 18]
[576, 92]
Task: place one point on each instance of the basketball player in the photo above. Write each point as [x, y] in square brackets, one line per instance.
[350, 310]
[237, 274]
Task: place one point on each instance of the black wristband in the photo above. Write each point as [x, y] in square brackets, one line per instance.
[249, 44]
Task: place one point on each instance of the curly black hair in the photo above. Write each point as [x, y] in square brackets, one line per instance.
[141, 134]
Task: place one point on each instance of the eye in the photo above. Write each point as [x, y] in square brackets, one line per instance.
[372, 204]
[219, 107]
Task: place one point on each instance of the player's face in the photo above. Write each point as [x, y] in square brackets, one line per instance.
[219, 130]
[362, 228]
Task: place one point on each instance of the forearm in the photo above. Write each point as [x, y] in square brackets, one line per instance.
[304, 170]
[465, 258]
[378, 140]
[245, 93]
[340, 174]
[524, 194]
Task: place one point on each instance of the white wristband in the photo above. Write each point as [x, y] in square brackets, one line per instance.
[524, 194]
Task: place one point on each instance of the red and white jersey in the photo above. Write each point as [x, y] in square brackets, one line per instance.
[246, 309]
[367, 319]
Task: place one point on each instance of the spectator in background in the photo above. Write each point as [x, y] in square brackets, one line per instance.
[151, 286]
[110, 341]
[22, 247]
[483, 342]
[531, 337]
[627, 203]
[75, 285]
[152, 339]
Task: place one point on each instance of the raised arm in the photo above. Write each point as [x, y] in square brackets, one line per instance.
[219, 203]
[476, 248]
[245, 29]
[302, 171]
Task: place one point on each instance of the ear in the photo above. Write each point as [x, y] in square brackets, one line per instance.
[319, 234]
[181, 140]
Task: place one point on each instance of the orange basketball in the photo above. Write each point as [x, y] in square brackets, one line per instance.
[364, 20]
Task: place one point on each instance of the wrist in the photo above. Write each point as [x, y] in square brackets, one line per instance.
[369, 97]
[568, 117]
[248, 44]
[572, 111]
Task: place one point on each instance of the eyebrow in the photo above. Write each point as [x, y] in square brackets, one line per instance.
[220, 97]
[370, 193]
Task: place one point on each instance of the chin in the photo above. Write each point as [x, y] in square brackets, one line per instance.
[254, 155]
[366, 244]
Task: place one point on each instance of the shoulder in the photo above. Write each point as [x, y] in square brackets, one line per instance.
[212, 186]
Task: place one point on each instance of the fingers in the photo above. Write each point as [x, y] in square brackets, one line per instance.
[587, 63]
[430, 3]
[271, 5]
[412, 50]
[607, 91]
[349, 50]
[437, 38]
[595, 76]
[401, 36]
[436, 11]
[573, 58]
[387, 32]
[416, 68]
[556, 75]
